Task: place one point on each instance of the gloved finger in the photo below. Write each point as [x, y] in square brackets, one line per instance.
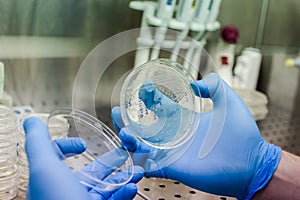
[132, 144]
[117, 178]
[154, 100]
[138, 173]
[152, 169]
[117, 118]
[128, 140]
[127, 192]
[68, 147]
[104, 165]
[140, 151]
[209, 87]
[38, 145]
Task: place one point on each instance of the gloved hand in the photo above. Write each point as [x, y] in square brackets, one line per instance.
[51, 179]
[239, 164]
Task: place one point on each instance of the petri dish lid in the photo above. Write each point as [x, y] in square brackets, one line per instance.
[104, 153]
[6, 112]
[8, 120]
[158, 104]
[57, 123]
[58, 128]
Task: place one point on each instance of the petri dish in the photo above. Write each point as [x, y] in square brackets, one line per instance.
[10, 140]
[6, 112]
[8, 152]
[158, 104]
[9, 174]
[9, 186]
[58, 128]
[104, 151]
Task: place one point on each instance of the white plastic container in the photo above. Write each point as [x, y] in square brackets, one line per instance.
[247, 69]
[225, 53]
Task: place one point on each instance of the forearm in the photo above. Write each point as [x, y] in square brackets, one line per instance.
[285, 183]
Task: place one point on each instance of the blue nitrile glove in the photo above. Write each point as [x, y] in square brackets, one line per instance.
[240, 162]
[51, 179]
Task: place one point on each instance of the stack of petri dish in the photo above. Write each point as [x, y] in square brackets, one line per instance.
[9, 133]
[58, 129]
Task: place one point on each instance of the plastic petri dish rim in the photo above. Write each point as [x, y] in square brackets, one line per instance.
[159, 105]
[6, 112]
[57, 129]
[107, 157]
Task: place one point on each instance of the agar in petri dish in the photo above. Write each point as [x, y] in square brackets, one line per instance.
[104, 150]
[159, 105]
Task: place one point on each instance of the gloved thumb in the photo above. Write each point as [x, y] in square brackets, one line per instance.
[38, 144]
[216, 89]
[67, 147]
[117, 118]
[125, 193]
[210, 87]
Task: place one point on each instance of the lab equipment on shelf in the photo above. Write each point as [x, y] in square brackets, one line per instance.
[9, 134]
[293, 62]
[246, 70]
[196, 18]
[224, 56]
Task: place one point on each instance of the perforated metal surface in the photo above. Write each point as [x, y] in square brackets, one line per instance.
[162, 189]
[153, 188]
[281, 127]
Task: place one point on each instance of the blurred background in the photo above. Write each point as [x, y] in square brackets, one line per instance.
[43, 43]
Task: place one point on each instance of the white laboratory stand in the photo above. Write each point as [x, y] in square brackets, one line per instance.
[153, 17]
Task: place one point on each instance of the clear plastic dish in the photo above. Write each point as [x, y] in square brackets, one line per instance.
[7, 163]
[9, 140]
[8, 127]
[10, 190]
[103, 149]
[9, 187]
[10, 173]
[58, 128]
[158, 103]
[6, 112]
[8, 152]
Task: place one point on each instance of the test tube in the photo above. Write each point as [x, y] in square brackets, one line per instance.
[203, 8]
